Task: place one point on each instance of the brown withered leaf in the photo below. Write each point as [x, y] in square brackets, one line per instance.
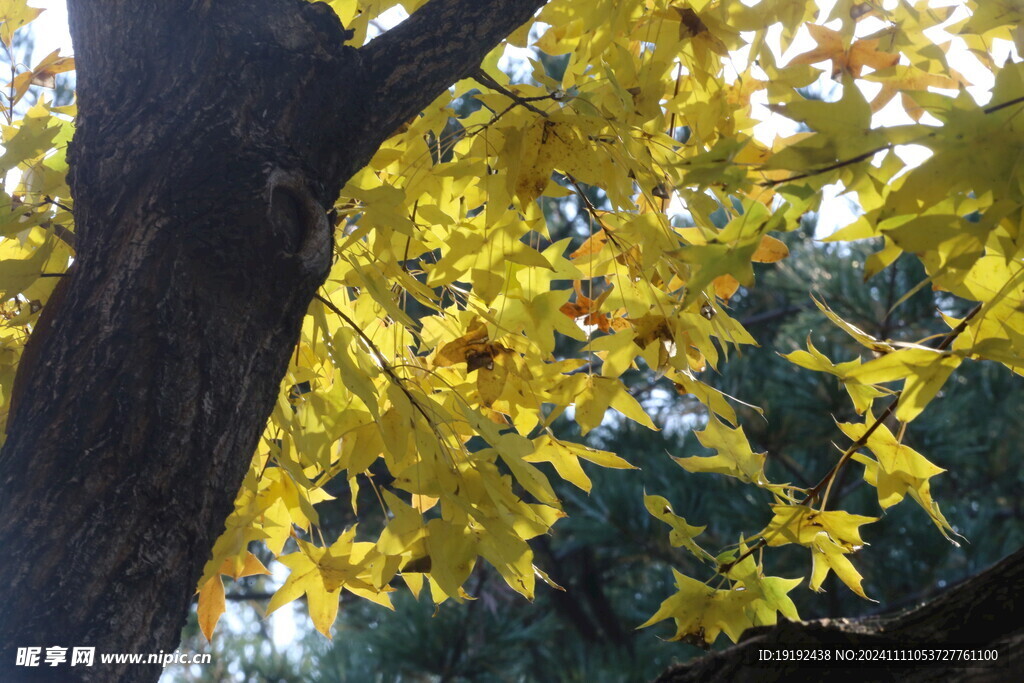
[690, 23]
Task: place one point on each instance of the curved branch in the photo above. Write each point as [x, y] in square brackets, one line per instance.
[445, 41]
[983, 611]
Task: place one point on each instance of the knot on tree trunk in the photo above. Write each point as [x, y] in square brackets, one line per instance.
[299, 221]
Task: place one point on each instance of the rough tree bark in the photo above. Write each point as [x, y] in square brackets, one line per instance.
[212, 139]
[982, 612]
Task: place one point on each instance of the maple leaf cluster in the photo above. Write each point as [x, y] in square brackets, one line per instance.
[436, 349]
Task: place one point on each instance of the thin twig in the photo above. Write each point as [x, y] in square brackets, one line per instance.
[858, 444]
[830, 167]
[484, 78]
[1003, 105]
[47, 199]
[861, 157]
[244, 597]
[889, 410]
[388, 370]
[64, 235]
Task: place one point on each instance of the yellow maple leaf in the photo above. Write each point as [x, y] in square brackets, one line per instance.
[247, 565]
[827, 555]
[452, 553]
[832, 47]
[862, 395]
[211, 606]
[734, 456]
[897, 471]
[15, 14]
[701, 613]
[682, 533]
[801, 524]
[405, 527]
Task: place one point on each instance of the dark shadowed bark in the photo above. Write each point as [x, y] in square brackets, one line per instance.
[212, 138]
[982, 612]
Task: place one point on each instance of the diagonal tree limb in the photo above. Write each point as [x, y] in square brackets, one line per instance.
[981, 612]
[445, 41]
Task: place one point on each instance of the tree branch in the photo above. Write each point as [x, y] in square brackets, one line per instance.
[982, 611]
[445, 41]
[815, 493]
[484, 78]
[825, 169]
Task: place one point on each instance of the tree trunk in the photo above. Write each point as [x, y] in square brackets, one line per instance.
[982, 612]
[212, 139]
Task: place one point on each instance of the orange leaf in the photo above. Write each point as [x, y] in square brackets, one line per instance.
[866, 53]
[599, 319]
[830, 47]
[594, 244]
[770, 250]
[43, 74]
[851, 60]
[459, 350]
[725, 286]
